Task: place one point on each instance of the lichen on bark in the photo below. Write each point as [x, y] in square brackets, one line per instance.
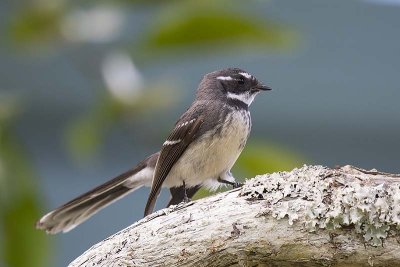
[322, 198]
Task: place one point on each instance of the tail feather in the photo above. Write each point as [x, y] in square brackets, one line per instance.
[78, 210]
[66, 220]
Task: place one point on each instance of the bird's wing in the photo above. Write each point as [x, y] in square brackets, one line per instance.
[81, 208]
[177, 142]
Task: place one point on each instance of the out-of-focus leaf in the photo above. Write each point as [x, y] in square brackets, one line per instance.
[135, 2]
[25, 246]
[35, 24]
[85, 135]
[260, 157]
[21, 244]
[213, 26]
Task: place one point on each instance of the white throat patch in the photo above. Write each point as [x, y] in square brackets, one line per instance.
[245, 97]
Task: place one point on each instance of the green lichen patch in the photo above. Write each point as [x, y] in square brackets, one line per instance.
[323, 198]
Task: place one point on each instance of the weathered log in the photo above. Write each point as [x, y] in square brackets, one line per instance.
[312, 216]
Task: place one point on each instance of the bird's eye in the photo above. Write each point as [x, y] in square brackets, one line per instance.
[240, 81]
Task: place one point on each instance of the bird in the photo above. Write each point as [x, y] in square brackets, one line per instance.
[199, 152]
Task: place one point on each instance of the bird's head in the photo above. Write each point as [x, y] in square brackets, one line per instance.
[230, 83]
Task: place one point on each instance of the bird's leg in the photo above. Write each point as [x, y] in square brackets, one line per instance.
[185, 197]
[227, 178]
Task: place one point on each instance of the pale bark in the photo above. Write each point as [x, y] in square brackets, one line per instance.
[312, 216]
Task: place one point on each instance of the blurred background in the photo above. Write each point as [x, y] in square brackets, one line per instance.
[89, 88]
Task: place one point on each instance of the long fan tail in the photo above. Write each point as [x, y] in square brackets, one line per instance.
[78, 210]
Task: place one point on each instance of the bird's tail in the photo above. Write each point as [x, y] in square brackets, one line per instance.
[78, 210]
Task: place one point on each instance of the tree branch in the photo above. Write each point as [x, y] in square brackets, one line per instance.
[312, 216]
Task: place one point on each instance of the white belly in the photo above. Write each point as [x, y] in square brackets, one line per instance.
[212, 155]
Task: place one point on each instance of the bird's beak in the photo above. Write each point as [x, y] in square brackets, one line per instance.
[262, 87]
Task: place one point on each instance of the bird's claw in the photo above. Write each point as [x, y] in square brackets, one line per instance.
[237, 185]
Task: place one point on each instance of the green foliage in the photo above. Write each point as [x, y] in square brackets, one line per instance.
[21, 244]
[260, 157]
[35, 24]
[207, 26]
[202, 26]
[24, 245]
[86, 134]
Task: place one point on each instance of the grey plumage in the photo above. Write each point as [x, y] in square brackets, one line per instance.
[209, 137]
[200, 151]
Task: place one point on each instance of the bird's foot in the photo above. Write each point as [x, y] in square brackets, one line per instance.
[233, 184]
[237, 185]
[186, 199]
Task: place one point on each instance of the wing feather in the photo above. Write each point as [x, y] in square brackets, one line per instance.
[170, 153]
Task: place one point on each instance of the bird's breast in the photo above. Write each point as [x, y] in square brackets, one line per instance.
[213, 153]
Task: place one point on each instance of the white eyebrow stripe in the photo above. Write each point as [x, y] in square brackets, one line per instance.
[170, 143]
[245, 74]
[225, 78]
